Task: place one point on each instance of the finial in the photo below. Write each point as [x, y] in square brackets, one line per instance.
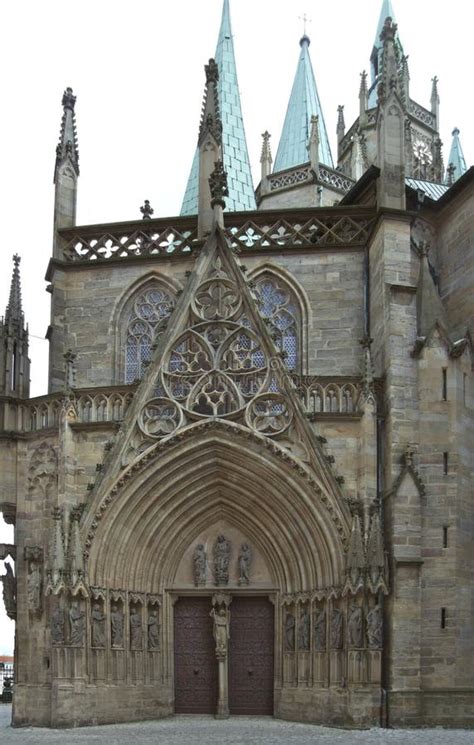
[210, 118]
[341, 125]
[14, 310]
[147, 210]
[218, 185]
[69, 99]
[67, 148]
[455, 132]
[266, 153]
[313, 144]
[389, 30]
[363, 83]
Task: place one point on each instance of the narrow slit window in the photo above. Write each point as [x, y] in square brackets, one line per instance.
[445, 463]
[445, 536]
[444, 391]
[443, 618]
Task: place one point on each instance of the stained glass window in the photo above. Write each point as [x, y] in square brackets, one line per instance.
[281, 308]
[148, 310]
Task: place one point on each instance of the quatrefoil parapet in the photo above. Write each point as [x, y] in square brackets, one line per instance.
[159, 418]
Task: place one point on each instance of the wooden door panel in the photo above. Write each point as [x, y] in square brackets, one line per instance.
[251, 648]
[195, 667]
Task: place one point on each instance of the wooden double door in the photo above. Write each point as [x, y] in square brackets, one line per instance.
[250, 661]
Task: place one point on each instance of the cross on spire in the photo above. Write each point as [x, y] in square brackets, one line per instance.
[305, 20]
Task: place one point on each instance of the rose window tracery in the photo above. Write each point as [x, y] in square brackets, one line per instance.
[149, 309]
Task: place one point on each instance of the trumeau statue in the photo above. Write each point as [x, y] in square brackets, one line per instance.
[221, 560]
[153, 630]
[77, 620]
[98, 626]
[116, 624]
[290, 632]
[303, 630]
[320, 630]
[336, 629]
[57, 626]
[354, 627]
[200, 565]
[245, 559]
[221, 620]
[374, 627]
[135, 628]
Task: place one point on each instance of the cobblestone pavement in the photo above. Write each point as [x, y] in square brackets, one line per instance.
[235, 731]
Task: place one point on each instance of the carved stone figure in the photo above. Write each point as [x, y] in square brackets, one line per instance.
[336, 629]
[9, 591]
[354, 627]
[116, 623]
[42, 473]
[290, 632]
[303, 629]
[34, 587]
[135, 628]
[374, 627]
[200, 565]
[77, 619]
[221, 560]
[320, 630]
[98, 626]
[57, 626]
[153, 630]
[245, 559]
[221, 618]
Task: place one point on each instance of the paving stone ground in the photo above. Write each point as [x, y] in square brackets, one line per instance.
[197, 730]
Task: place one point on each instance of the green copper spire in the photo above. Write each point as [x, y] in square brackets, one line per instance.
[304, 103]
[234, 145]
[376, 55]
[456, 161]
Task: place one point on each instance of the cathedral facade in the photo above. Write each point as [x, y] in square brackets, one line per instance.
[249, 487]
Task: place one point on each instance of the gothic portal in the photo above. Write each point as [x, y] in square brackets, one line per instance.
[247, 490]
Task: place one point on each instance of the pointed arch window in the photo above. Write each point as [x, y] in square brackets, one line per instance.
[279, 305]
[148, 310]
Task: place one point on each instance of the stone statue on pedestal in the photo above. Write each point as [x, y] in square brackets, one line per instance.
[374, 627]
[221, 618]
[77, 620]
[116, 622]
[320, 631]
[98, 626]
[245, 558]
[354, 627]
[153, 630]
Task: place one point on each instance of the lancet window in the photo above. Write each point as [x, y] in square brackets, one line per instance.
[279, 305]
[148, 310]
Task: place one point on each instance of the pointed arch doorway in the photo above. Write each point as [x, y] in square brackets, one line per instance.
[250, 662]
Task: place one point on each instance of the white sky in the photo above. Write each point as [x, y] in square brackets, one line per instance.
[137, 71]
